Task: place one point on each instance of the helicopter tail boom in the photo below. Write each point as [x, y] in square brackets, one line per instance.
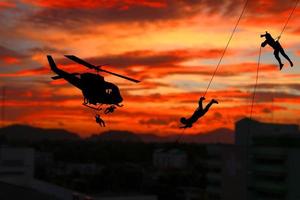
[52, 63]
[70, 77]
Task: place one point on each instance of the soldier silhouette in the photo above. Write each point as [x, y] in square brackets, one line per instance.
[277, 48]
[199, 112]
[99, 121]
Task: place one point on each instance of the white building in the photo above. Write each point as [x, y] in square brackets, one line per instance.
[17, 171]
[172, 158]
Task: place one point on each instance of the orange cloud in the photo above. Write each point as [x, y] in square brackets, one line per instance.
[295, 100]
[29, 72]
[155, 111]
[97, 3]
[6, 4]
[11, 60]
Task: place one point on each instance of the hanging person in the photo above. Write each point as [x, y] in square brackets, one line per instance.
[110, 109]
[277, 48]
[199, 112]
[99, 120]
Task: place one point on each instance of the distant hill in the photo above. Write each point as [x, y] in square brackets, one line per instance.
[114, 135]
[155, 138]
[28, 133]
[222, 135]
[34, 134]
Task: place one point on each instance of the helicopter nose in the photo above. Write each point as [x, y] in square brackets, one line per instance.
[120, 99]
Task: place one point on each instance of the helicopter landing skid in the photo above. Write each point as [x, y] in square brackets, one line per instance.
[95, 108]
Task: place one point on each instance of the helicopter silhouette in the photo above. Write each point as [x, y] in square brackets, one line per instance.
[96, 91]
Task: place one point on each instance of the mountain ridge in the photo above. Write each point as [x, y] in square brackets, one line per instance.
[30, 133]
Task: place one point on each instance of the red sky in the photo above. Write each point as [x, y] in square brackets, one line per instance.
[171, 46]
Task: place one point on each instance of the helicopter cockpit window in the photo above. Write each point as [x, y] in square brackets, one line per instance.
[108, 91]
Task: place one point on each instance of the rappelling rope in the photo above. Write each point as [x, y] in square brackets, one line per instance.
[283, 29]
[226, 47]
[251, 110]
[180, 136]
[255, 86]
[288, 19]
[258, 63]
[222, 56]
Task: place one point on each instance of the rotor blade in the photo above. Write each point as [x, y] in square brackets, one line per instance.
[121, 76]
[82, 62]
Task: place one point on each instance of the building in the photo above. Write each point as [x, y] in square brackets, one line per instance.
[169, 159]
[43, 158]
[274, 165]
[263, 163]
[16, 165]
[17, 175]
[82, 168]
[225, 172]
[246, 129]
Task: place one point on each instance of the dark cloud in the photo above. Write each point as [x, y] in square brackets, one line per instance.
[146, 64]
[155, 121]
[267, 110]
[4, 51]
[6, 4]
[32, 93]
[46, 50]
[218, 116]
[270, 96]
[267, 86]
[155, 63]
[154, 58]
[75, 18]
[9, 56]
[272, 7]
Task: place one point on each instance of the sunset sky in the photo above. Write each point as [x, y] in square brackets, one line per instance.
[172, 46]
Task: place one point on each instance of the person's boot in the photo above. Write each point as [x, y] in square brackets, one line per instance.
[281, 65]
[214, 101]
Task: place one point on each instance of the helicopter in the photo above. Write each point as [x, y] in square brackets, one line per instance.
[96, 91]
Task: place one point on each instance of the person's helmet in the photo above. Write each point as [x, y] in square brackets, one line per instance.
[183, 120]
